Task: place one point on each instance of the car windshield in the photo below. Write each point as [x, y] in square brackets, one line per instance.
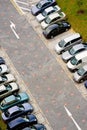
[62, 43]
[48, 20]
[72, 51]
[81, 71]
[39, 5]
[74, 61]
[44, 13]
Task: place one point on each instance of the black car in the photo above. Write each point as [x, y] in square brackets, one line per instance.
[41, 5]
[36, 127]
[22, 122]
[56, 29]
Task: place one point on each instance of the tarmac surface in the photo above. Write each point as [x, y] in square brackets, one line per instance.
[43, 74]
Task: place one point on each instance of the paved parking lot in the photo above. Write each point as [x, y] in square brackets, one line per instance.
[43, 72]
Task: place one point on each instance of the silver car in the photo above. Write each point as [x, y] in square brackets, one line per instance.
[81, 74]
[67, 55]
[3, 69]
[40, 17]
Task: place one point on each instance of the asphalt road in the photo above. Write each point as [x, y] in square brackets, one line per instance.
[50, 85]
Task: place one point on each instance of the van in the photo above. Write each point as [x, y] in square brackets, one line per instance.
[68, 42]
[77, 61]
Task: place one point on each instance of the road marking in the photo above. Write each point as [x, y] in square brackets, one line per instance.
[24, 3]
[26, 9]
[12, 26]
[70, 115]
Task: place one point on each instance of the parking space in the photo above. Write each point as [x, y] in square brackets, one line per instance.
[43, 72]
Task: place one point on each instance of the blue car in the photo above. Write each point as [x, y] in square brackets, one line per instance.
[13, 100]
[16, 111]
[22, 122]
[41, 5]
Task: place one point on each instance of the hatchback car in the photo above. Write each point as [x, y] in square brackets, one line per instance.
[13, 100]
[8, 89]
[16, 111]
[55, 29]
[3, 69]
[6, 78]
[37, 126]
[67, 55]
[40, 17]
[22, 122]
[81, 74]
[41, 5]
[53, 18]
[66, 43]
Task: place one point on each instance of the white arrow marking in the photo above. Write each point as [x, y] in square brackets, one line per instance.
[12, 26]
[70, 115]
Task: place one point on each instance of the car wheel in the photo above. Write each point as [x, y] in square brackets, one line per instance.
[52, 36]
[81, 80]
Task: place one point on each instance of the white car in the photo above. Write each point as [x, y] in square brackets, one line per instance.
[7, 89]
[3, 69]
[53, 18]
[6, 78]
[40, 17]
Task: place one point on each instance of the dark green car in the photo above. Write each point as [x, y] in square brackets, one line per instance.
[13, 100]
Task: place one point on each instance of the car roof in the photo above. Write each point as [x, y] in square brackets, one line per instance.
[71, 37]
[54, 15]
[49, 9]
[81, 55]
[13, 109]
[78, 46]
[10, 98]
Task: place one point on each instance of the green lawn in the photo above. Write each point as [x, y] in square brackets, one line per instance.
[2, 124]
[76, 11]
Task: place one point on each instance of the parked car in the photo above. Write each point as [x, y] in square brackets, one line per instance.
[3, 69]
[85, 84]
[81, 74]
[67, 55]
[56, 29]
[41, 5]
[53, 18]
[16, 111]
[22, 122]
[8, 89]
[2, 61]
[13, 100]
[77, 61]
[40, 17]
[6, 78]
[68, 42]
[37, 126]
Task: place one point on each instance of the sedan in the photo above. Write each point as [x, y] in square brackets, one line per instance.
[22, 122]
[40, 17]
[37, 126]
[3, 69]
[13, 100]
[41, 5]
[8, 89]
[67, 55]
[81, 74]
[2, 61]
[56, 29]
[16, 111]
[6, 78]
[53, 18]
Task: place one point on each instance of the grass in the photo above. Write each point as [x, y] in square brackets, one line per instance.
[76, 11]
[2, 124]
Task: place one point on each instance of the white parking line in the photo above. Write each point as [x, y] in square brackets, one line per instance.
[24, 3]
[26, 9]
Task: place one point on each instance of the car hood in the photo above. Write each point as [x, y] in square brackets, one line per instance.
[34, 10]
[76, 77]
[44, 25]
[70, 66]
[66, 56]
[40, 17]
